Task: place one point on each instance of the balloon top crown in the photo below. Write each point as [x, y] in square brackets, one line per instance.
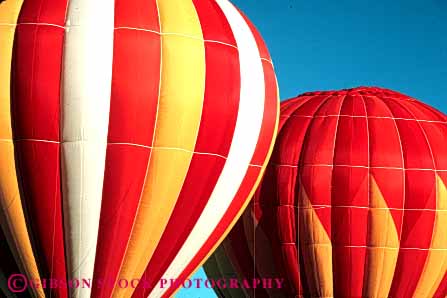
[362, 90]
[375, 101]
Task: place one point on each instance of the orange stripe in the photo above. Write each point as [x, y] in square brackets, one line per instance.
[12, 217]
[383, 246]
[317, 249]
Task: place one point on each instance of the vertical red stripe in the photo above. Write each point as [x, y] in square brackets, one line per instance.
[36, 81]
[43, 11]
[319, 148]
[133, 112]
[350, 182]
[137, 14]
[270, 115]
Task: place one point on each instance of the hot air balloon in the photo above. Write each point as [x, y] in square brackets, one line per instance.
[132, 133]
[353, 202]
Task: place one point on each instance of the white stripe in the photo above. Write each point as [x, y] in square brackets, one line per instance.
[86, 91]
[245, 139]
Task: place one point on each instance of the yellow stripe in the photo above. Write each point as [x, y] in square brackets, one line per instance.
[179, 114]
[317, 250]
[383, 242]
[12, 216]
[9, 12]
[436, 264]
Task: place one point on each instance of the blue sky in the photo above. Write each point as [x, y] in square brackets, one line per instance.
[327, 44]
[324, 44]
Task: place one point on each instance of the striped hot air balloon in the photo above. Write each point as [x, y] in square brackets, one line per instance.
[132, 133]
[353, 202]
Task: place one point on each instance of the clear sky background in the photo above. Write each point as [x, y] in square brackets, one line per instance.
[328, 44]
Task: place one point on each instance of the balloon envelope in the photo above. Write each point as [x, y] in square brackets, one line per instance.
[131, 135]
[354, 200]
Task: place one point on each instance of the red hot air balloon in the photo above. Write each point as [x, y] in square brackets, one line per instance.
[353, 202]
[132, 133]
